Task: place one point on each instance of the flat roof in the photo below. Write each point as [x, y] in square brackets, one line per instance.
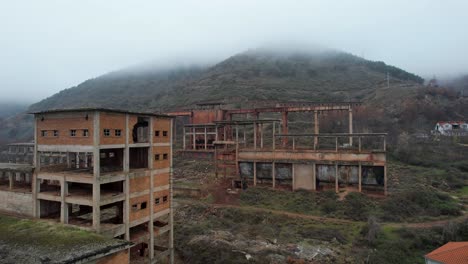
[16, 167]
[38, 241]
[99, 109]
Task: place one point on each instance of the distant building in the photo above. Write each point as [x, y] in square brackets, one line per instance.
[451, 128]
[450, 253]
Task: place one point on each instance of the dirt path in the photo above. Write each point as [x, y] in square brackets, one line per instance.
[428, 224]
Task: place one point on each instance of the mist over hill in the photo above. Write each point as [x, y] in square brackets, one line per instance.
[263, 75]
[260, 74]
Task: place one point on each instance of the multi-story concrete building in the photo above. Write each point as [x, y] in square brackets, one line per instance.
[115, 178]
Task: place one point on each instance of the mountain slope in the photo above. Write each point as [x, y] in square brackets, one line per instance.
[253, 75]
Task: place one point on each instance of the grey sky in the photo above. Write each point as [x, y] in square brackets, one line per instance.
[46, 46]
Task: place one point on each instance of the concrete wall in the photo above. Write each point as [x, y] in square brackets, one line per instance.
[16, 202]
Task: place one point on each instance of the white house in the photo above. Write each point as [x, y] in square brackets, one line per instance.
[451, 128]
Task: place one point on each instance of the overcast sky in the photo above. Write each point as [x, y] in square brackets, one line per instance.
[47, 46]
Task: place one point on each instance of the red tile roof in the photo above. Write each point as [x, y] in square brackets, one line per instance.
[450, 253]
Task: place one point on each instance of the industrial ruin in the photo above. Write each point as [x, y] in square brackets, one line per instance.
[256, 150]
[102, 170]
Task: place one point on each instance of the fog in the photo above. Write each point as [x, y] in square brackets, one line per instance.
[47, 46]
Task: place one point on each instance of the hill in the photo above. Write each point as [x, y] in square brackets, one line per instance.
[252, 75]
[257, 76]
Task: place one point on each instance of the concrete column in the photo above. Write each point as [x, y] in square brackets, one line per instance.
[273, 176]
[255, 135]
[206, 140]
[183, 139]
[360, 177]
[274, 136]
[385, 180]
[151, 189]
[96, 172]
[245, 138]
[255, 173]
[64, 206]
[293, 176]
[35, 186]
[126, 187]
[171, 204]
[194, 137]
[350, 125]
[10, 180]
[337, 190]
[77, 162]
[68, 160]
[284, 120]
[86, 159]
[261, 135]
[316, 128]
[314, 176]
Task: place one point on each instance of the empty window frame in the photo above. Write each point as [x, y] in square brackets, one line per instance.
[143, 205]
[165, 155]
[72, 132]
[43, 133]
[156, 133]
[134, 207]
[164, 133]
[56, 133]
[85, 132]
[106, 132]
[118, 132]
[164, 198]
[157, 200]
[156, 156]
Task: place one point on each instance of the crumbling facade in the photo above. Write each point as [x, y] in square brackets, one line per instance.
[111, 173]
[255, 150]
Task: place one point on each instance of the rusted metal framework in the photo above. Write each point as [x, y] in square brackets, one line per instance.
[262, 151]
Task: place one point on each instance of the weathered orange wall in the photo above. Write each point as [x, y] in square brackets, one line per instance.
[161, 179]
[139, 184]
[161, 124]
[161, 163]
[111, 121]
[206, 116]
[161, 206]
[121, 257]
[134, 215]
[63, 123]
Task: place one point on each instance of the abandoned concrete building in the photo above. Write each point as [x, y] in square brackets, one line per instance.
[103, 170]
[255, 150]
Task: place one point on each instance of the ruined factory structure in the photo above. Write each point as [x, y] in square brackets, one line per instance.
[256, 147]
[103, 170]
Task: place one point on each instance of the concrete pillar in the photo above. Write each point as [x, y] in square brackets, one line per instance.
[337, 190]
[10, 180]
[126, 187]
[273, 136]
[284, 121]
[314, 176]
[273, 176]
[68, 160]
[151, 189]
[255, 135]
[171, 204]
[64, 206]
[261, 135]
[183, 139]
[245, 137]
[350, 125]
[77, 163]
[316, 128]
[293, 176]
[360, 177]
[385, 180]
[194, 138]
[86, 159]
[206, 140]
[96, 173]
[255, 173]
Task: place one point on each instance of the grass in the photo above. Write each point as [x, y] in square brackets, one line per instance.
[463, 191]
[44, 234]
